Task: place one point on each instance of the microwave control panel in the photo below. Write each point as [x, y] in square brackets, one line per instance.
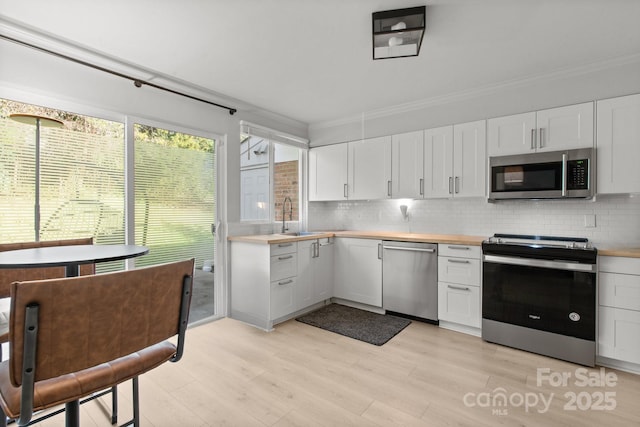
[578, 174]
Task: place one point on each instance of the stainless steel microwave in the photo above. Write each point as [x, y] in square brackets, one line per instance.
[547, 175]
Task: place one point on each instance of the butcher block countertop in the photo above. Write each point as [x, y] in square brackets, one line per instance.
[379, 235]
[621, 252]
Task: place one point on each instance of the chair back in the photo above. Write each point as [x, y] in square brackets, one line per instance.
[9, 275]
[89, 320]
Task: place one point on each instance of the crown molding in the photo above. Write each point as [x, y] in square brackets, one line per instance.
[485, 90]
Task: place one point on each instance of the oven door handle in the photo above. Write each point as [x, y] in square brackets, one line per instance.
[529, 262]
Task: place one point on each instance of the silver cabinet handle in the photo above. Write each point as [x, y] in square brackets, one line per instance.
[379, 250]
[422, 186]
[316, 249]
[389, 188]
[541, 143]
[345, 191]
[282, 258]
[459, 248]
[450, 185]
[457, 184]
[533, 139]
[284, 245]
[286, 282]
[458, 288]
[459, 261]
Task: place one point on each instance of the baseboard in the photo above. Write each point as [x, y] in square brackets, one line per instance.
[359, 305]
[621, 365]
[469, 330]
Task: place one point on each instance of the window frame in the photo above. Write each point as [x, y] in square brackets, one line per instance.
[283, 138]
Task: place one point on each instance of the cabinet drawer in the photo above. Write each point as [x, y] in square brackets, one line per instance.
[615, 264]
[459, 304]
[285, 265]
[619, 290]
[284, 248]
[463, 271]
[463, 251]
[282, 297]
[618, 332]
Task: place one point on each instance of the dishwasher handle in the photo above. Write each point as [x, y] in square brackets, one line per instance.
[402, 248]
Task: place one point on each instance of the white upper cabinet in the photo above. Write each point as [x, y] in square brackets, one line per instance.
[469, 159]
[565, 128]
[511, 134]
[369, 171]
[438, 162]
[618, 145]
[328, 173]
[455, 160]
[546, 130]
[407, 169]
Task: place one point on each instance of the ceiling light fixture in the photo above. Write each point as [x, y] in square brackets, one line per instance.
[398, 33]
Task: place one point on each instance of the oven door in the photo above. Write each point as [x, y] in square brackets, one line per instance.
[552, 296]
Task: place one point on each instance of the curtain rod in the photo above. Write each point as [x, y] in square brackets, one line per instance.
[136, 82]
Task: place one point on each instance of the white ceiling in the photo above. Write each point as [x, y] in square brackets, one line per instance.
[311, 60]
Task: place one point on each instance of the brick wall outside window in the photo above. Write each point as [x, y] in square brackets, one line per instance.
[285, 176]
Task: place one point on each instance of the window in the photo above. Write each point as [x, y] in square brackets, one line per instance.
[75, 188]
[271, 172]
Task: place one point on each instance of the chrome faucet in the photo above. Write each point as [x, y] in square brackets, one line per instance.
[284, 203]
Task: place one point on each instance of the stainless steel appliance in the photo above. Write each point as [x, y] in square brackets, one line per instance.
[539, 295]
[547, 175]
[410, 279]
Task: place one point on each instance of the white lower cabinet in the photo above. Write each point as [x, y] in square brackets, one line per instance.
[619, 309]
[459, 286]
[359, 271]
[271, 283]
[315, 272]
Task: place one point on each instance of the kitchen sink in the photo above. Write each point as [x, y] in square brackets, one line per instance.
[302, 233]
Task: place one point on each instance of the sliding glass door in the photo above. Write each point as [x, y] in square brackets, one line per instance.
[175, 205]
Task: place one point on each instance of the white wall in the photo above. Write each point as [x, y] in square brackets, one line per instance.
[617, 217]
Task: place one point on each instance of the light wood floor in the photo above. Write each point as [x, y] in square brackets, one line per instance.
[299, 375]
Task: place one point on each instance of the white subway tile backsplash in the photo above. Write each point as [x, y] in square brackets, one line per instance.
[617, 217]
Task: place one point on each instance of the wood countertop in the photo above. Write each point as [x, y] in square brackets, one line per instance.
[268, 239]
[620, 251]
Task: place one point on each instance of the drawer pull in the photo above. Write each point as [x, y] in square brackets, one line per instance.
[459, 261]
[284, 245]
[459, 248]
[286, 282]
[458, 288]
[282, 258]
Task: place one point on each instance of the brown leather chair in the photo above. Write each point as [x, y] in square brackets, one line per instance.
[9, 275]
[72, 337]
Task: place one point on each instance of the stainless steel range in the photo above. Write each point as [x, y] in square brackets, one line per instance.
[539, 295]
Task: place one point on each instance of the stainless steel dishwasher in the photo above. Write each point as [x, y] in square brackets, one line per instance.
[410, 279]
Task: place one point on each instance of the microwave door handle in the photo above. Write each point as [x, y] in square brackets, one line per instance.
[564, 175]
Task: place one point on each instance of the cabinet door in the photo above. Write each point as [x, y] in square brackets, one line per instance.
[282, 297]
[469, 159]
[323, 271]
[438, 162]
[359, 270]
[565, 128]
[618, 332]
[407, 168]
[370, 169]
[459, 304]
[511, 134]
[328, 172]
[618, 145]
[305, 278]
